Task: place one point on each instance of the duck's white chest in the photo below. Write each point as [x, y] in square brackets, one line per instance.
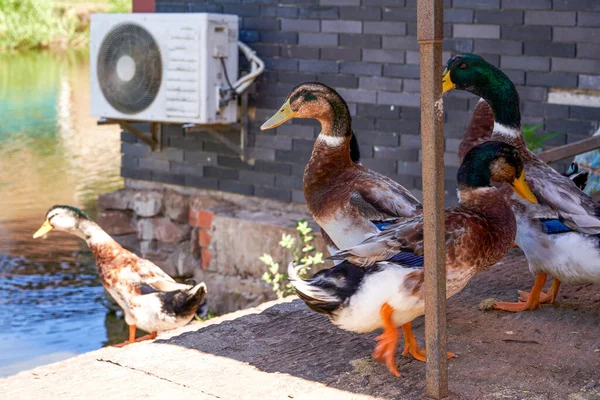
[345, 231]
[570, 257]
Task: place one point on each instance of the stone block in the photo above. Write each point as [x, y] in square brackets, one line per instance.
[176, 206]
[119, 200]
[115, 222]
[147, 204]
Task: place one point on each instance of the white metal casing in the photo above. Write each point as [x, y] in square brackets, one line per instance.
[191, 75]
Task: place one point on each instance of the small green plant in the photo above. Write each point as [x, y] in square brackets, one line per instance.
[535, 141]
[304, 254]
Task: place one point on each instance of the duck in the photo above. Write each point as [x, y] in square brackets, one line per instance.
[347, 200]
[559, 234]
[151, 300]
[379, 283]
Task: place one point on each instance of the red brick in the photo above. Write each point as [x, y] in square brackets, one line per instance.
[203, 238]
[206, 258]
[201, 218]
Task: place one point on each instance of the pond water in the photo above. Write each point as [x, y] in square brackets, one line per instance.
[52, 305]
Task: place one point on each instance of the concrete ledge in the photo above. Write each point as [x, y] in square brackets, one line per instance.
[282, 350]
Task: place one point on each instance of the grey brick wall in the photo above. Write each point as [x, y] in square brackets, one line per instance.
[367, 50]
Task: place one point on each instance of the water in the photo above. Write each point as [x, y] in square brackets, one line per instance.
[52, 304]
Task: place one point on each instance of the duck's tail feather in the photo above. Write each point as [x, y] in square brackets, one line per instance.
[185, 302]
[579, 177]
[327, 290]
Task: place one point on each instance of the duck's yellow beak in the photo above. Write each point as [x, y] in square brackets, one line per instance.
[284, 114]
[522, 189]
[45, 228]
[447, 84]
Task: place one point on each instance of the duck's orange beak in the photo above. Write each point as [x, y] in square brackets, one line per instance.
[522, 189]
[284, 114]
[447, 84]
[45, 228]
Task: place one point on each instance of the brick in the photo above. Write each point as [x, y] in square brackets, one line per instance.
[383, 166]
[204, 8]
[291, 156]
[186, 169]
[360, 13]
[241, 10]
[458, 45]
[532, 93]
[201, 182]
[236, 187]
[280, 64]
[261, 24]
[577, 5]
[296, 131]
[587, 50]
[400, 42]
[379, 111]
[455, 15]
[318, 66]
[402, 71]
[201, 218]
[552, 18]
[379, 83]
[298, 196]
[530, 5]
[360, 68]
[545, 110]
[206, 258]
[363, 123]
[360, 41]
[128, 137]
[357, 96]
[383, 2]
[287, 12]
[476, 3]
[266, 50]
[224, 173]
[300, 25]
[384, 28]
[319, 12]
[260, 153]
[395, 153]
[499, 17]
[477, 31]
[399, 14]
[527, 63]
[200, 157]
[340, 2]
[153, 164]
[232, 162]
[517, 77]
[588, 19]
[550, 49]
[338, 81]
[166, 177]
[296, 77]
[341, 54]
[401, 99]
[551, 79]
[300, 52]
[273, 193]
[271, 167]
[508, 47]
[278, 37]
[204, 238]
[339, 26]
[289, 182]
[527, 32]
[585, 113]
[377, 138]
[588, 35]
[410, 141]
[571, 126]
[273, 142]
[318, 39]
[411, 85]
[301, 145]
[249, 36]
[136, 150]
[576, 65]
[589, 82]
[383, 56]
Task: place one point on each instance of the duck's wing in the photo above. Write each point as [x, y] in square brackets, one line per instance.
[402, 243]
[380, 198]
[573, 207]
[479, 130]
[147, 276]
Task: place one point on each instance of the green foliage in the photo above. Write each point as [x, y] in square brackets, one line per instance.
[534, 140]
[304, 254]
[40, 24]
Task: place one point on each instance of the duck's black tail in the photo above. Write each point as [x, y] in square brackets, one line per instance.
[184, 302]
[327, 290]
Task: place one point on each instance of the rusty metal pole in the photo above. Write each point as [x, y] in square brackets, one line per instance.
[430, 34]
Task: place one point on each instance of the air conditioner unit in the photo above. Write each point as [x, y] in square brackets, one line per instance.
[175, 68]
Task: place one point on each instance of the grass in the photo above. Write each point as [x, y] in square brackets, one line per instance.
[41, 24]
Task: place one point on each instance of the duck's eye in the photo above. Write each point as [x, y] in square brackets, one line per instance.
[309, 97]
[463, 66]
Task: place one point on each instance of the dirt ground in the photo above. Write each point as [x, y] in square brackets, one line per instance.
[552, 353]
[282, 350]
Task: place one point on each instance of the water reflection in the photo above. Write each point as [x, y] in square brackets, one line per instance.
[51, 151]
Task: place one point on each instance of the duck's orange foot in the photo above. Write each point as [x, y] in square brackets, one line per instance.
[119, 345]
[150, 336]
[412, 347]
[385, 351]
[533, 298]
[545, 298]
